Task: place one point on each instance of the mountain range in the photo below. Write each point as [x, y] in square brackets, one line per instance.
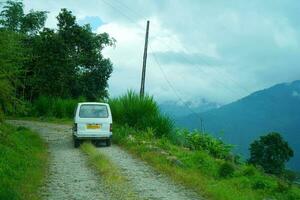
[275, 109]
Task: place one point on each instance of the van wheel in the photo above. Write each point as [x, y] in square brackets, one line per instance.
[76, 143]
[98, 143]
[108, 142]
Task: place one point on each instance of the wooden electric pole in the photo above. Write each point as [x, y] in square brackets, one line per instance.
[142, 91]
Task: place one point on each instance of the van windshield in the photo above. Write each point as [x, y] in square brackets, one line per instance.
[93, 111]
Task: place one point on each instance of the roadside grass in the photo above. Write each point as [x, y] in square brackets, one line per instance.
[140, 113]
[115, 182]
[62, 121]
[23, 163]
[213, 178]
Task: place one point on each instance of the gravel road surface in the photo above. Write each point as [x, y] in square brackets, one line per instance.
[148, 183]
[70, 177]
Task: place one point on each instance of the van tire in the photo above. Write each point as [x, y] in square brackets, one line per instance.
[76, 143]
[108, 142]
[98, 143]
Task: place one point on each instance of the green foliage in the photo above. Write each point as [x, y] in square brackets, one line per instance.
[249, 170]
[211, 177]
[11, 61]
[54, 107]
[289, 176]
[201, 141]
[226, 170]
[140, 113]
[271, 152]
[283, 186]
[37, 61]
[13, 18]
[12, 14]
[23, 163]
[260, 183]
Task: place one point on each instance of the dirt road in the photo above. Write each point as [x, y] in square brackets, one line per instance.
[70, 177]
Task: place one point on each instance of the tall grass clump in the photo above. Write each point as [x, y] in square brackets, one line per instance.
[56, 107]
[140, 113]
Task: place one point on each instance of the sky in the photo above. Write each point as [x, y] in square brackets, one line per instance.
[215, 50]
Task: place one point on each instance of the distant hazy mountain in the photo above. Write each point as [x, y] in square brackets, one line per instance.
[177, 110]
[241, 122]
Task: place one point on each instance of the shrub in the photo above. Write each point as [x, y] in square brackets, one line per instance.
[282, 186]
[226, 170]
[200, 141]
[249, 170]
[259, 184]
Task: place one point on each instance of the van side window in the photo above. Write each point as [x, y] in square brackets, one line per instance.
[93, 111]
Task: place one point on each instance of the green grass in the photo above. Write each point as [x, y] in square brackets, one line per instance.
[200, 170]
[114, 181]
[50, 107]
[23, 163]
[141, 113]
[54, 120]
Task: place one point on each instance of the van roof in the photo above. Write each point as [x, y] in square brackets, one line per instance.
[81, 103]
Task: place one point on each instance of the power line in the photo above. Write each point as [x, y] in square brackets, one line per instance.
[155, 58]
[176, 92]
[197, 65]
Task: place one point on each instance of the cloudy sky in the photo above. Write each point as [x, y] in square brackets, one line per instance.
[217, 50]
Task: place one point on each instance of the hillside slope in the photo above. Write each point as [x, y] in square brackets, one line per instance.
[241, 122]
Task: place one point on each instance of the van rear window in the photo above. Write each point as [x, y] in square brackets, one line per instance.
[93, 111]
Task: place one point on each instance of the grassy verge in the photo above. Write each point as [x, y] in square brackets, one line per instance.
[67, 121]
[115, 182]
[211, 177]
[23, 163]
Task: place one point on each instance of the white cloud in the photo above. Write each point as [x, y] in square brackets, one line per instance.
[255, 44]
[295, 94]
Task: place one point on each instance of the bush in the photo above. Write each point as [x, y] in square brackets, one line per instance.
[140, 113]
[249, 170]
[226, 170]
[260, 184]
[200, 141]
[121, 133]
[282, 186]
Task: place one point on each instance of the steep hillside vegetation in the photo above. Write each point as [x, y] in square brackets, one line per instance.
[23, 163]
[241, 122]
[194, 159]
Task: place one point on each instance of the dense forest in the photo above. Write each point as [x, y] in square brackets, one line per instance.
[35, 61]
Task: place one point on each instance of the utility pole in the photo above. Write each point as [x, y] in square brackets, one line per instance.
[144, 61]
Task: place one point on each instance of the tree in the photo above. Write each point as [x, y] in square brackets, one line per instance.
[271, 152]
[11, 60]
[12, 18]
[12, 15]
[66, 62]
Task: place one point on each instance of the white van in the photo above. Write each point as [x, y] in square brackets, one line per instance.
[92, 121]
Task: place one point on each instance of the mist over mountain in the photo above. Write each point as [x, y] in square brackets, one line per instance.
[179, 109]
[240, 123]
